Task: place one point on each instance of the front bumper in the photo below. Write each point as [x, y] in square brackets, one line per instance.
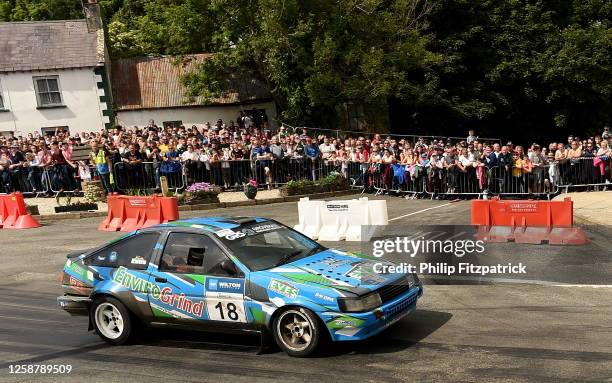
[361, 326]
[74, 304]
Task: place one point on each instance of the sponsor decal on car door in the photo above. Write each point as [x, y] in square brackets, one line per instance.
[177, 296]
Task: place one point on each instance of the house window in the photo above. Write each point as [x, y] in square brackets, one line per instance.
[48, 92]
[51, 130]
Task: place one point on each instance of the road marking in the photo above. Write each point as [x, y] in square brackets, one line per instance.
[32, 319]
[593, 286]
[420, 211]
[30, 307]
[509, 280]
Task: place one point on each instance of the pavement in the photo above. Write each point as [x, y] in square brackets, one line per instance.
[46, 204]
[591, 208]
[550, 325]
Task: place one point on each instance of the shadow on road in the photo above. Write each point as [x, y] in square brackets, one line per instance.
[406, 333]
[402, 335]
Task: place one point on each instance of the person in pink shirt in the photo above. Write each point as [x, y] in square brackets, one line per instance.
[67, 151]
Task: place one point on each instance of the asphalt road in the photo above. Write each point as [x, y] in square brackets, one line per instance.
[551, 325]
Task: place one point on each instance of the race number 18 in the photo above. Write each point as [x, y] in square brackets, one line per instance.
[226, 310]
[231, 311]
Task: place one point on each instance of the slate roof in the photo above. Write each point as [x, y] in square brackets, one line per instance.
[48, 45]
[155, 82]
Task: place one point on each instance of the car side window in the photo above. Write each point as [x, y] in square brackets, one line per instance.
[192, 253]
[133, 252]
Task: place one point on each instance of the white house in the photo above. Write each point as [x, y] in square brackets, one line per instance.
[149, 88]
[52, 74]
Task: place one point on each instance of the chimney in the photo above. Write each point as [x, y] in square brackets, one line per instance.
[93, 16]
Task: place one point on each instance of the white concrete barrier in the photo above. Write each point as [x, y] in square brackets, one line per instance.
[339, 219]
[309, 217]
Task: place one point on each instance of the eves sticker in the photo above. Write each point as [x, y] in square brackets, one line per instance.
[283, 288]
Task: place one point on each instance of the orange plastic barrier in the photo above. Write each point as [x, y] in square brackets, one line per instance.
[13, 213]
[128, 213]
[527, 221]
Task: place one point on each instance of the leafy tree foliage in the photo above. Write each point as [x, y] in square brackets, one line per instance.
[26, 10]
[534, 67]
[505, 67]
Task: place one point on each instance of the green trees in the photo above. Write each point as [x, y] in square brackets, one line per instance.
[24, 10]
[535, 67]
[315, 56]
[505, 67]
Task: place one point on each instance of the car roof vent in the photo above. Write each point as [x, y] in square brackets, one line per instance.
[243, 220]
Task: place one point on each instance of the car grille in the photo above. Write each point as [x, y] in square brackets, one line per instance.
[400, 307]
[391, 291]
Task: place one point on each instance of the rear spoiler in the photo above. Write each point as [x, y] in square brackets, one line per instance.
[76, 254]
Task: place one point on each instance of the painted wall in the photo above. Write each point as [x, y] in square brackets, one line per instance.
[191, 115]
[80, 95]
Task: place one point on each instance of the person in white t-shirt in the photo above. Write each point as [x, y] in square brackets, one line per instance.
[326, 149]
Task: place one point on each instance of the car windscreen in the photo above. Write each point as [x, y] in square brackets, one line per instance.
[261, 246]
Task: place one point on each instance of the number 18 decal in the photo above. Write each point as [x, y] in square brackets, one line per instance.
[228, 310]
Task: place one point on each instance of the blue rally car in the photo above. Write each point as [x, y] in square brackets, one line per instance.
[234, 274]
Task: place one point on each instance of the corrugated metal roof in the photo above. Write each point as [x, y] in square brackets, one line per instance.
[155, 82]
[41, 45]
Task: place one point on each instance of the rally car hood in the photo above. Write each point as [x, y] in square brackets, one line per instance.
[336, 269]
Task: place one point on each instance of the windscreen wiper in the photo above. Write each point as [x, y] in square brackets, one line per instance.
[287, 257]
[316, 250]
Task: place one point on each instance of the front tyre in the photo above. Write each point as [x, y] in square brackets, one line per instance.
[297, 331]
[111, 320]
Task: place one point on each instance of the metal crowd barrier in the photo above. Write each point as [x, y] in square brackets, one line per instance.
[583, 172]
[35, 181]
[277, 172]
[229, 174]
[27, 180]
[542, 181]
[410, 180]
[145, 176]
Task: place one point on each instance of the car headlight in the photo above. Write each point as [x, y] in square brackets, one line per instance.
[411, 280]
[365, 303]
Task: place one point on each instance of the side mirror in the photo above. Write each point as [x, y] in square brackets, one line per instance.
[229, 267]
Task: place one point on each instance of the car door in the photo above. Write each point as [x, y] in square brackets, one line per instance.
[124, 266]
[190, 267]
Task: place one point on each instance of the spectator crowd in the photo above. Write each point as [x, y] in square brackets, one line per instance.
[229, 154]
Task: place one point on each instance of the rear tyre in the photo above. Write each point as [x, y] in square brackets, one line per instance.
[297, 331]
[111, 320]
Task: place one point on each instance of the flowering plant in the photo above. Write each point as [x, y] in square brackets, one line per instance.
[200, 192]
[198, 187]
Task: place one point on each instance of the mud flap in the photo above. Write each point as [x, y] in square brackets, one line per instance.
[266, 341]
